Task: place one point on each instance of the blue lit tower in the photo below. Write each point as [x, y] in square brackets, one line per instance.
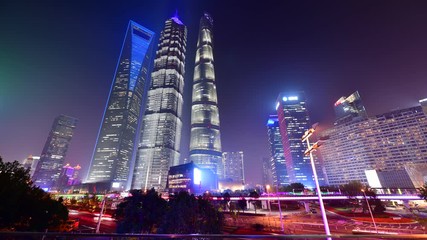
[52, 158]
[293, 122]
[159, 145]
[277, 162]
[118, 135]
[205, 141]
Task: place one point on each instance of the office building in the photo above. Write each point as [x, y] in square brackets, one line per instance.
[234, 170]
[423, 103]
[53, 155]
[69, 176]
[293, 122]
[388, 142]
[118, 135]
[349, 109]
[205, 138]
[162, 124]
[276, 164]
[267, 176]
[31, 163]
[191, 178]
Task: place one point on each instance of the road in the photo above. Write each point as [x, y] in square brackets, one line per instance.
[300, 223]
[89, 220]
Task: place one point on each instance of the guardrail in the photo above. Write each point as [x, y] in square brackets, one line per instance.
[70, 236]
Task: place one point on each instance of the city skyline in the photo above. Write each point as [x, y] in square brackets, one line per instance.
[326, 50]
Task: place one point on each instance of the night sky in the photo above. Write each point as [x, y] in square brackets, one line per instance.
[59, 57]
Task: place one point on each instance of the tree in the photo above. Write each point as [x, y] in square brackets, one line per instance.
[241, 203]
[423, 191]
[293, 187]
[255, 202]
[226, 200]
[187, 214]
[24, 206]
[141, 212]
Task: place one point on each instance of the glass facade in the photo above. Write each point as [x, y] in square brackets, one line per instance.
[349, 109]
[386, 142]
[205, 140]
[277, 163]
[233, 166]
[293, 122]
[161, 126]
[52, 158]
[118, 135]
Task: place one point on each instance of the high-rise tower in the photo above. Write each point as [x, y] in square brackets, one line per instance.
[293, 122]
[118, 135]
[350, 109]
[205, 141]
[161, 126]
[52, 158]
[234, 170]
[277, 163]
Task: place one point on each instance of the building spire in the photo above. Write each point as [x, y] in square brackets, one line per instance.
[175, 18]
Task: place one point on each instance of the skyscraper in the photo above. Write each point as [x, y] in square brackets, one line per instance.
[205, 141]
[118, 135]
[31, 163]
[267, 176]
[161, 126]
[233, 166]
[277, 163]
[293, 122]
[54, 152]
[349, 109]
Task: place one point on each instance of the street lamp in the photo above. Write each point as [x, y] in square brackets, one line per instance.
[309, 151]
[370, 211]
[268, 196]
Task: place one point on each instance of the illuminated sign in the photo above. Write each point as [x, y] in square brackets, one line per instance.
[423, 100]
[116, 184]
[291, 98]
[270, 122]
[197, 176]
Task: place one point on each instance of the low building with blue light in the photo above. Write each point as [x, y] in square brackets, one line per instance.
[191, 178]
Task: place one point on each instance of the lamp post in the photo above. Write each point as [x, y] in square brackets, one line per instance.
[98, 224]
[309, 151]
[280, 210]
[268, 196]
[370, 211]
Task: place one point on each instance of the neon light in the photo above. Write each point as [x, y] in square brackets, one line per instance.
[285, 99]
[277, 105]
[293, 98]
[423, 100]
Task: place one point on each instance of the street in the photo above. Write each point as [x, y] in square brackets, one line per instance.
[89, 220]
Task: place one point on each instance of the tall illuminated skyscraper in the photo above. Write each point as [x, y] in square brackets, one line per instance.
[161, 126]
[118, 135]
[277, 163]
[52, 158]
[205, 141]
[293, 122]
